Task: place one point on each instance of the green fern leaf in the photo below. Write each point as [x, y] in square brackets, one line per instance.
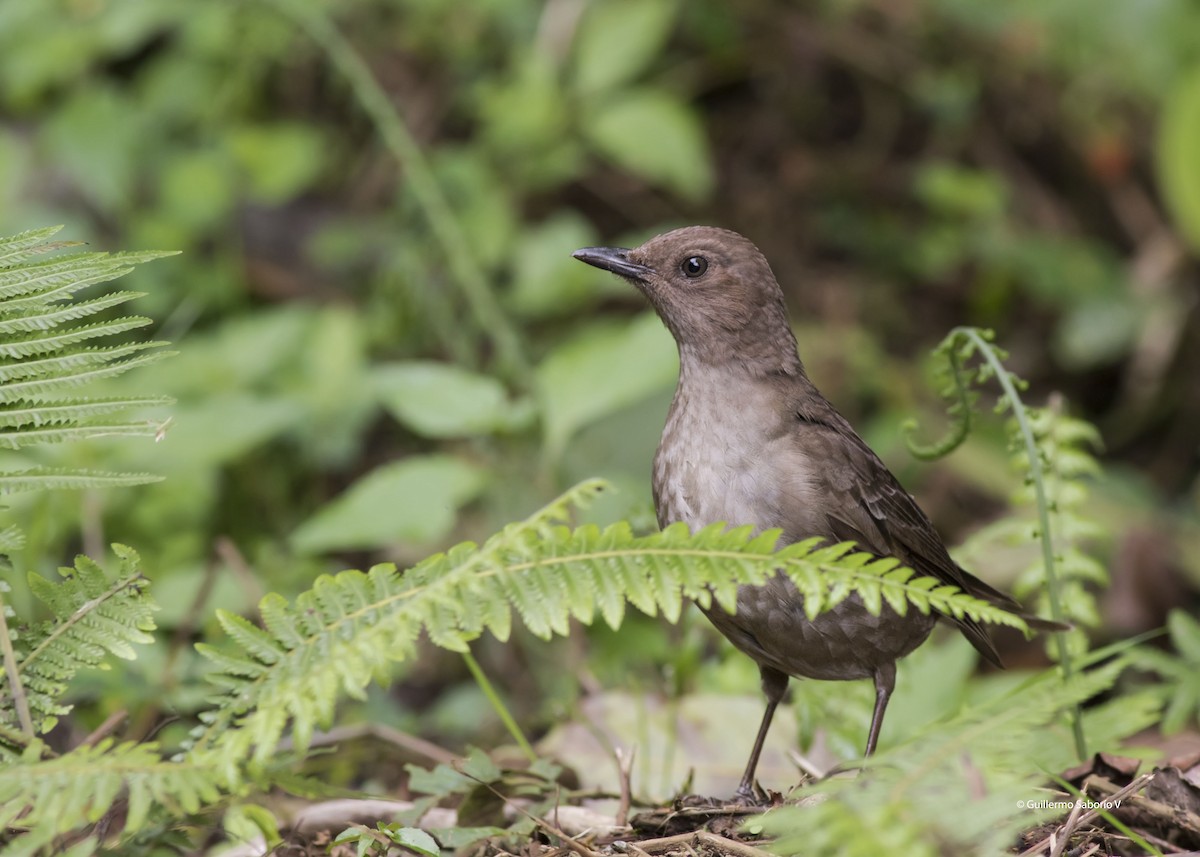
[45, 356]
[62, 365]
[30, 437]
[75, 789]
[38, 478]
[18, 248]
[33, 346]
[94, 616]
[352, 628]
[55, 414]
[47, 317]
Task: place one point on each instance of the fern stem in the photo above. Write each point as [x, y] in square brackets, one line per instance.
[1043, 508]
[960, 414]
[498, 705]
[374, 101]
[14, 676]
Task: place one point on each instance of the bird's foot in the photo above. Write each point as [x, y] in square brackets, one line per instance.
[752, 794]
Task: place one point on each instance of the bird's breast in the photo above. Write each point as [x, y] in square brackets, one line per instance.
[726, 456]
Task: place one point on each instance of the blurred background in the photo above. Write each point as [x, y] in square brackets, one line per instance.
[385, 347]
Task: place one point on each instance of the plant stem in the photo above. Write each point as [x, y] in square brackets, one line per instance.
[1043, 508]
[374, 101]
[498, 705]
[20, 702]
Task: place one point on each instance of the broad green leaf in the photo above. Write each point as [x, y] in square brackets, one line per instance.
[546, 280]
[1185, 634]
[96, 139]
[1098, 331]
[618, 39]
[601, 371]
[526, 109]
[414, 839]
[656, 136]
[481, 197]
[1178, 161]
[222, 428]
[442, 400]
[958, 191]
[413, 501]
[197, 189]
[280, 160]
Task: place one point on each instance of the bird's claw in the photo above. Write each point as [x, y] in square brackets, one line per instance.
[750, 795]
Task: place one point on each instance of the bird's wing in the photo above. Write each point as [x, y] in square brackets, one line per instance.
[864, 503]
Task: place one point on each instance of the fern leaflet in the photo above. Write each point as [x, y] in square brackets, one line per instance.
[353, 627]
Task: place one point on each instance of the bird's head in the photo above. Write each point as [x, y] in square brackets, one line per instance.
[714, 291]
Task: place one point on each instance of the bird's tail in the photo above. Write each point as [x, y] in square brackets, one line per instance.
[979, 636]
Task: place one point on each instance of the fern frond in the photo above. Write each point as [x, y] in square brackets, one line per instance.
[37, 478]
[30, 437]
[58, 795]
[73, 411]
[45, 356]
[74, 272]
[32, 346]
[47, 316]
[93, 617]
[18, 248]
[52, 386]
[63, 363]
[11, 540]
[353, 627]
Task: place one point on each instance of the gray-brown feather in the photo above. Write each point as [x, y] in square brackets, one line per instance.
[777, 471]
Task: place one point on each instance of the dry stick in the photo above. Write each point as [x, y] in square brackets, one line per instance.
[806, 765]
[578, 847]
[229, 552]
[1068, 827]
[105, 729]
[1173, 816]
[624, 778]
[1117, 794]
[702, 837]
[382, 732]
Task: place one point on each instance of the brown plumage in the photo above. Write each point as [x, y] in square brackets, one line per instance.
[750, 440]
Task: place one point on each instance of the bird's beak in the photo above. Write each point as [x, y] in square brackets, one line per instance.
[614, 259]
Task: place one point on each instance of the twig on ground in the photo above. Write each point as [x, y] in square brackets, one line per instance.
[625, 778]
[701, 838]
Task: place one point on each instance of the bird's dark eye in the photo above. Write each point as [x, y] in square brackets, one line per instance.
[694, 266]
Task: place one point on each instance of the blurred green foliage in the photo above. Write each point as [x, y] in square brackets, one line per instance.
[343, 383]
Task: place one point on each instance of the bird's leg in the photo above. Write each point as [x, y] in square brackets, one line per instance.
[774, 685]
[885, 683]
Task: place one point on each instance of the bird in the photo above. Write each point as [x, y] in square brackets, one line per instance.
[750, 440]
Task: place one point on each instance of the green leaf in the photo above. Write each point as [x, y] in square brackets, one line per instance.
[960, 192]
[1178, 164]
[1185, 635]
[223, 427]
[278, 160]
[197, 189]
[95, 138]
[415, 838]
[442, 400]
[618, 39]
[600, 372]
[654, 135]
[411, 501]
[546, 280]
